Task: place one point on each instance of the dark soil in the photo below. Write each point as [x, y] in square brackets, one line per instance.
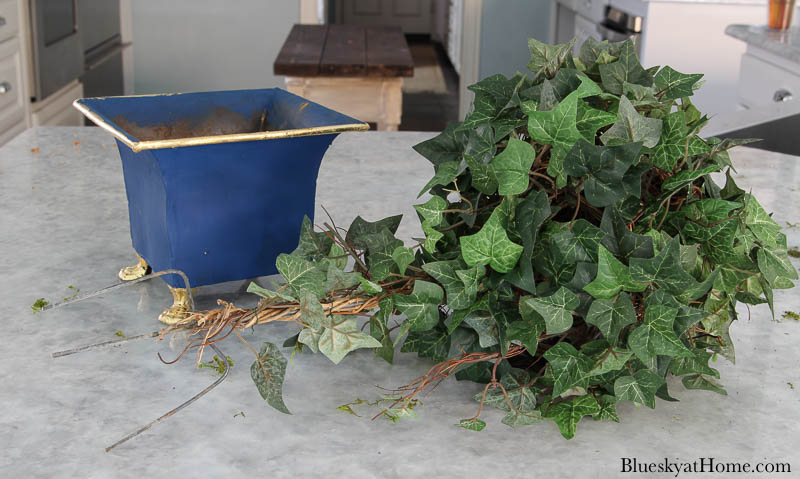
[220, 121]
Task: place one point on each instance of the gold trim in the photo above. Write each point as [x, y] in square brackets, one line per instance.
[139, 270]
[180, 307]
[137, 146]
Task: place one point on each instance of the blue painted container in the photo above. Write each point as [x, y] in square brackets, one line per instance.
[218, 182]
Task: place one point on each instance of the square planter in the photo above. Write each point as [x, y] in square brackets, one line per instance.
[218, 182]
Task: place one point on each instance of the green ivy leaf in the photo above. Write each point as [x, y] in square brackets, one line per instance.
[491, 246]
[518, 388]
[684, 178]
[626, 69]
[432, 236]
[675, 84]
[360, 229]
[473, 424]
[631, 127]
[547, 59]
[460, 293]
[445, 174]
[673, 143]
[609, 360]
[380, 248]
[608, 408]
[702, 381]
[340, 335]
[311, 245]
[270, 294]
[558, 127]
[589, 236]
[611, 316]
[603, 168]
[511, 167]
[612, 277]
[268, 371]
[302, 276]
[526, 332]
[379, 329]
[695, 364]
[664, 270]
[567, 414]
[588, 120]
[530, 214]
[403, 257]
[656, 335]
[640, 388]
[433, 344]
[556, 309]
[443, 148]
[431, 210]
[485, 325]
[774, 264]
[760, 222]
[570, 367]
[421, 307]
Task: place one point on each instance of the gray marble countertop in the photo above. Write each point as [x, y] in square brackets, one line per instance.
[63, 221]
[785, 44]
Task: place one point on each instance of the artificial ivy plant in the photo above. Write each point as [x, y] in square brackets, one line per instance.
[576, 251]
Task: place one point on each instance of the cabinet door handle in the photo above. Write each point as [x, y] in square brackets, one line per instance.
[2, 21]
[782, 95]
[5, 87]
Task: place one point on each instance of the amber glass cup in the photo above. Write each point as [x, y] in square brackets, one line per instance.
[780, 14]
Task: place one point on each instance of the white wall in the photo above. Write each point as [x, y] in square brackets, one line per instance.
[196, 45]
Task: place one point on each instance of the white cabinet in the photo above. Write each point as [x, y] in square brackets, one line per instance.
[57, 109]
[689, 36]
[765, 79]
[12, 84]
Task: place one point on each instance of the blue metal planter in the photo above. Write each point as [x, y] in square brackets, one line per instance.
[223, 205]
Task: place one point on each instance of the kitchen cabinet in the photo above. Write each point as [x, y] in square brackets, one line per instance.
[12, 84]
[770, 67]
[688, 35]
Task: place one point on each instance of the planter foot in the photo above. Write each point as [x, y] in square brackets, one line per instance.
[136, 271]
[180, 308]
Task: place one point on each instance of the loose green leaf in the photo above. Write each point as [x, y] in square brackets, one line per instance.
[268, 371]
[473, 424]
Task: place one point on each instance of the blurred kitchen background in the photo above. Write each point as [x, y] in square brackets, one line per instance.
[54, 51]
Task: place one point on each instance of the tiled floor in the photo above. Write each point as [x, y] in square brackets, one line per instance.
[431, 111]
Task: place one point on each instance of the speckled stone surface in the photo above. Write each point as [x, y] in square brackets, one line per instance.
[63, 221]
[785, 44]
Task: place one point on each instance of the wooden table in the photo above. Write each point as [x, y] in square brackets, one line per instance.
[357, 70]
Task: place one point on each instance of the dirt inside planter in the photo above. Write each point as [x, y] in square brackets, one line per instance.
[220, 121]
